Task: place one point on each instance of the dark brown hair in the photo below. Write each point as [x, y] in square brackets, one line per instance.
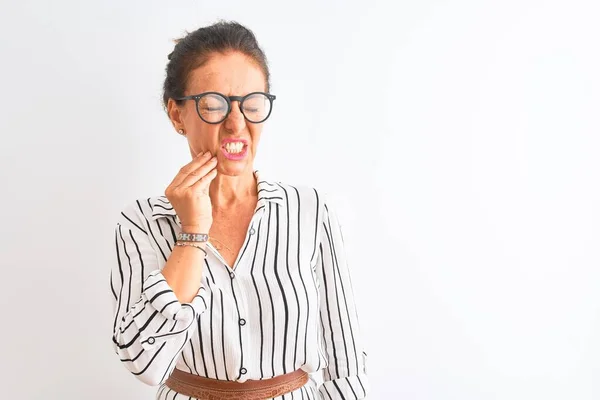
[194, 50]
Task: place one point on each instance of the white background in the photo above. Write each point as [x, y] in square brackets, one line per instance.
[459, 138]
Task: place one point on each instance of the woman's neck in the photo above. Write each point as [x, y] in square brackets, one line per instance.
[229, 191]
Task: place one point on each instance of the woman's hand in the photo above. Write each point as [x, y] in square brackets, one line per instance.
[188, 193]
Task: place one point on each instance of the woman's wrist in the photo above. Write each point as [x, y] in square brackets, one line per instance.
[195, 229]
[199, 246]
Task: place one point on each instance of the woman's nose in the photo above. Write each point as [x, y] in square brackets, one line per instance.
[235, 121]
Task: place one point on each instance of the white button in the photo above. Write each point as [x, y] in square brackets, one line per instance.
[252, 231]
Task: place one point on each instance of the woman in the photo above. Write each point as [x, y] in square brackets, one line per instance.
[231, 285]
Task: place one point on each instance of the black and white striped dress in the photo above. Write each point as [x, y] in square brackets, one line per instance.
[286, 303]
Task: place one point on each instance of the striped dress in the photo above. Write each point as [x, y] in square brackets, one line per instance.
[286, 303]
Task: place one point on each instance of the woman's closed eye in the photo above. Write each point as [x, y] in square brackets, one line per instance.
[207, 108]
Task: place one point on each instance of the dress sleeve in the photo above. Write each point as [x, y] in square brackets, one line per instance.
[344, 377]
[151, 327]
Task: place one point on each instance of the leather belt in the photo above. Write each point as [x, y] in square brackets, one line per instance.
[215, 389]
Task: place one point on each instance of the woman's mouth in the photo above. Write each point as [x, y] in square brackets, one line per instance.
[234, 150]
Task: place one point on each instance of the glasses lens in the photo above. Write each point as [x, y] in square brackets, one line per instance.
[256, 107]
[212, 108]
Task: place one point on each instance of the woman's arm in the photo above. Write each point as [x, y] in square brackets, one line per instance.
[151, 326]
[345, 375]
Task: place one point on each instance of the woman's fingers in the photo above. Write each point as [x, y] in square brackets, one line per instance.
[188, 192]
[187, 175]
[202, 184]
[195, 175]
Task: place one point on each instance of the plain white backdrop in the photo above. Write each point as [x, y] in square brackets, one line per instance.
[459, 139]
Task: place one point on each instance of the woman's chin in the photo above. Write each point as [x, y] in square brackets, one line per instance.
[232, 168]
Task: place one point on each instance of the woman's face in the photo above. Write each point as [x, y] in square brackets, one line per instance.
[231, 74]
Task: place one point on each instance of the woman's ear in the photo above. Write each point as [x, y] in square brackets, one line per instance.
[175, 115]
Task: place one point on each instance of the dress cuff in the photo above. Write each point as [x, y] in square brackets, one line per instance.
[162, 298]
[159, 304]
[350, 387]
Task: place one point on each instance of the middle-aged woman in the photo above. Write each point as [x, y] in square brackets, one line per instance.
[232, 286]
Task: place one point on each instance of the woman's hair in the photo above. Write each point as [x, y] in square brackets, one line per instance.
[194, 50]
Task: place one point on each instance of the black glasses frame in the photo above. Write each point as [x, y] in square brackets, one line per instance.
[229, 100]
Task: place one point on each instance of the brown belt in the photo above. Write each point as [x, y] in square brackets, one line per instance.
[214, 389]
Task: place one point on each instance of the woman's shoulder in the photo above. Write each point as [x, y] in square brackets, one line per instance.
[303, 191]
[307, 196]
[270, 187]
[287, 188]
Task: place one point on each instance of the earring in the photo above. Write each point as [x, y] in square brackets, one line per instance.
[181, 132]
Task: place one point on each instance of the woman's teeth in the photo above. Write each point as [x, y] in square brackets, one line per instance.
[234, 148]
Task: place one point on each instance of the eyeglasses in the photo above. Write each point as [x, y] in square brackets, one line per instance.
[214, 107]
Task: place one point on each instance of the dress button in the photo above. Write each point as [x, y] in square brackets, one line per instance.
[151, 340]
[252, 231]
[242, 321]
[231, 275]
[243, 371]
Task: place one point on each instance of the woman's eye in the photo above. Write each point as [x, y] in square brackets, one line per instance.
[211, 109]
